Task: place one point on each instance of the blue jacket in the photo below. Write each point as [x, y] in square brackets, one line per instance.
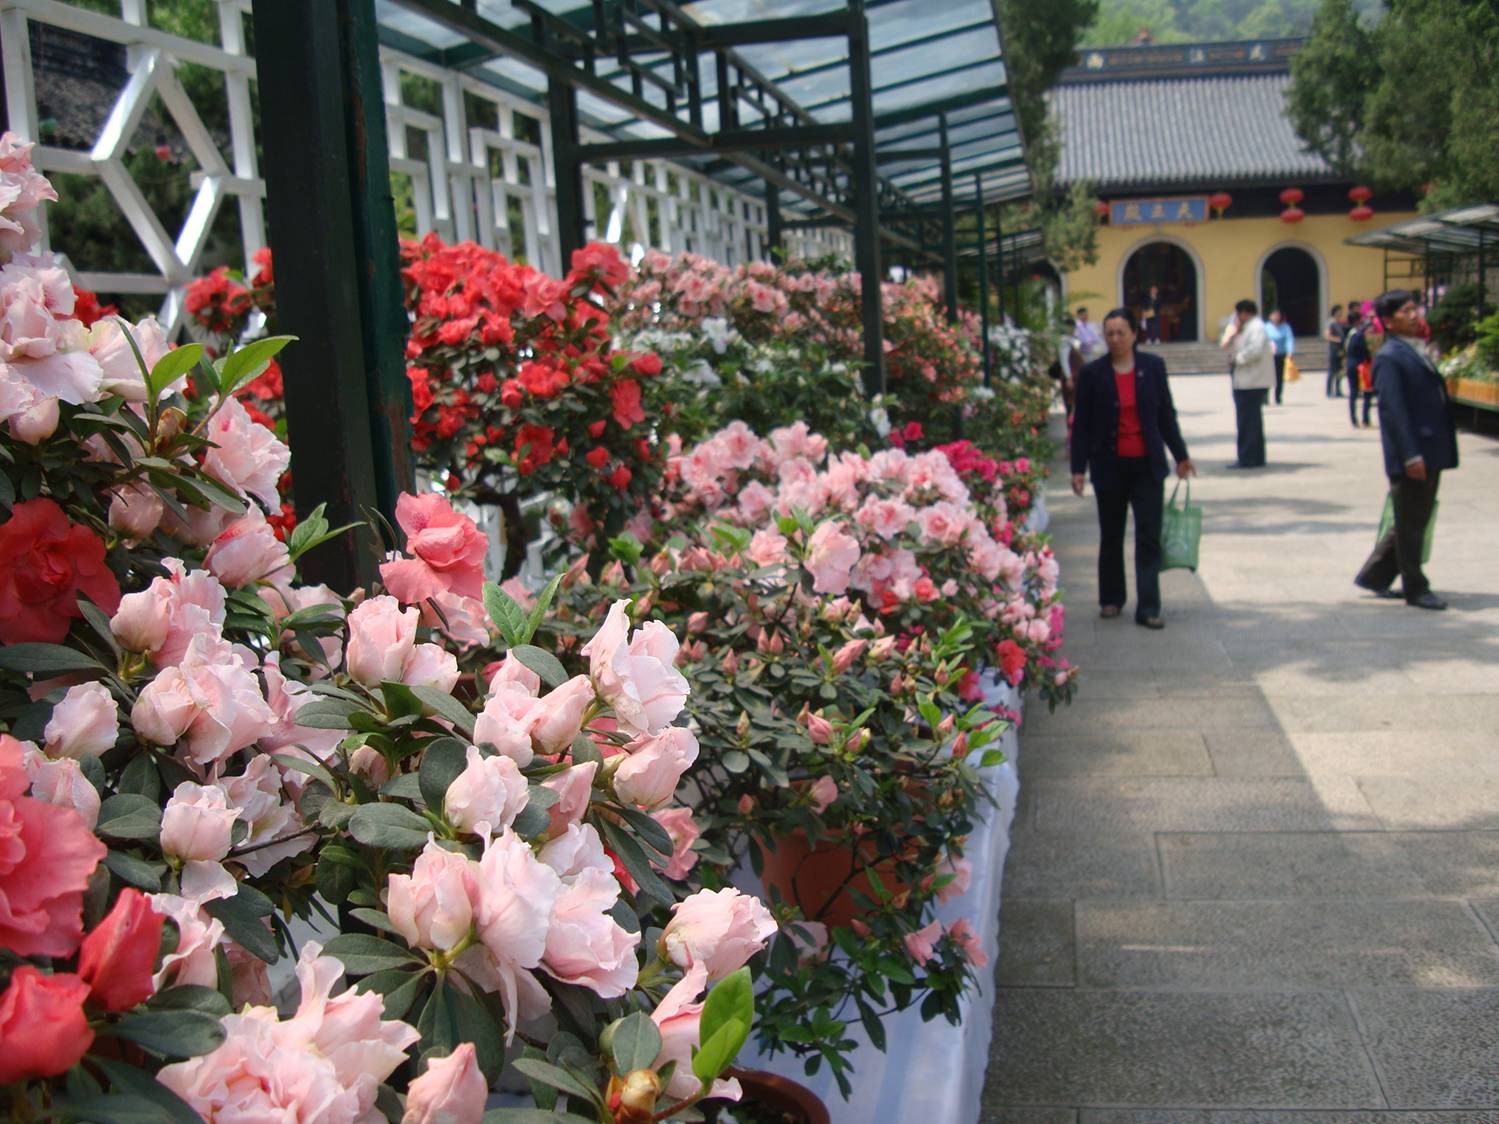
[1095, 420]
[1283, 337]
[1415, 419]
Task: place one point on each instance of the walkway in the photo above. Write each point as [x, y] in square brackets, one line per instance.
[1256, 863]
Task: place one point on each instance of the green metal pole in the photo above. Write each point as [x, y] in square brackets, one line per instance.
[338, 281]
[949, 226]
[866, 200]
[562, 109]
[978, 189]
[775, 236]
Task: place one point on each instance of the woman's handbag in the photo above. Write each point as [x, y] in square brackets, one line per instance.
[1366, 376]
[1181, 532]
[1293, 372]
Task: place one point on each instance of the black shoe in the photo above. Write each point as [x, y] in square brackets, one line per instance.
[1386, 592]
[1109, 612]
[1156, 623]
[1428, 600]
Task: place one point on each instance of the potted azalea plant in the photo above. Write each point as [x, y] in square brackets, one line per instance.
[197, 750]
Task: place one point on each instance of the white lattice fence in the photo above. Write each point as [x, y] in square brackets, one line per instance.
[472, 162]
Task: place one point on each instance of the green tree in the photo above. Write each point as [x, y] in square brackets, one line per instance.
[1119, 21]
[1329, 79]
[1413, 102]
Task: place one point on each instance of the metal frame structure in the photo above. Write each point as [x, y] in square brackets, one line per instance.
[1437, 245]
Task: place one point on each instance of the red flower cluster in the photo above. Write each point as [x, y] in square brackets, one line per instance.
[48, 563]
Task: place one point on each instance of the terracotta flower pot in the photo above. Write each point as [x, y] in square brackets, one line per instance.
[818, 879]
[795, 1102]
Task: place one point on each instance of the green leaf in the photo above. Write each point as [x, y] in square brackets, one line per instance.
[136, 871]
[46, 659]
[452, 1017]
[442, 762]
[171, 367]
[543, 603]
[190, 997]
[241, 366]
[174, 1034]
[403, 787]
[623, 844]
[327, 714]
[731, 1000]
[715, 1054]
[399, 986]
[362, 954]
[654, 835]
[557, 1078]
[735, 760]
[626, 548]
[585, 749]
[633, 1042]
[134, 1082]
[205, 377]
[243, 919]
[129, 816]
[392, 826]
[446, 706]
[532, 1116]
[539, 660]
[306, 766]
[508, 617]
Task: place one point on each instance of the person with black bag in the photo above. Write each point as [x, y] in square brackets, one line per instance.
[1420, 443]
[1123, 424]
[1335, 333]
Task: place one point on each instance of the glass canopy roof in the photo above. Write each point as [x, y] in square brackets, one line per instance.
[925, 58]
[1462, 230]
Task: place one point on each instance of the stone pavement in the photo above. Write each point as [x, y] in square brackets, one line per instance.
[1255, 871]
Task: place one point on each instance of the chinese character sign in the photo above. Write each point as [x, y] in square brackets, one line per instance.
[1136, 212]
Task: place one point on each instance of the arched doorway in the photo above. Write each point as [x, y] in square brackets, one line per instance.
[1291, 280]
[1171, 269]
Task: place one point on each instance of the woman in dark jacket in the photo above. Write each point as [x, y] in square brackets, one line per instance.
[1123, 423]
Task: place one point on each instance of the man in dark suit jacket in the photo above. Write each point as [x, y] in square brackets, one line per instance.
[1420, 441]
[1123, 423]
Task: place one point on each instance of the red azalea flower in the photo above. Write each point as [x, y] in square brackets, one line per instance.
[626, 397]
[597, 456]
[48, 563]
[620, 478]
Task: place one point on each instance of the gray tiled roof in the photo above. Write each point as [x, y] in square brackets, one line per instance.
[1199, 132]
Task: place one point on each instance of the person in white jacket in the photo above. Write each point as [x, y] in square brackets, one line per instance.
[1252, 365]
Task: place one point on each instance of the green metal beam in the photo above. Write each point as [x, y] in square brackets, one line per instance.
[881, 52]
[826, 25]
[945, 105]
[908, 82]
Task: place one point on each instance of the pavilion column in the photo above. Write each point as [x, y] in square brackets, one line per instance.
[775, 231]
[978, 190]
[338, 281]
[949, 227]
[567, 167]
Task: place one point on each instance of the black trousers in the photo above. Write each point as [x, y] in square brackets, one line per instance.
[1353, 397]
[1334, 373]
[1152, 329]
[1399, 550]
[1249, 413]
[1139, 490]
[1280, 376]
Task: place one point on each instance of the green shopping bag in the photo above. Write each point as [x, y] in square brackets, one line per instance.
[1181, 532]
[1387, 520]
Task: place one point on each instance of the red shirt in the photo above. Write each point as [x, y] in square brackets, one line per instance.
[1131, 439]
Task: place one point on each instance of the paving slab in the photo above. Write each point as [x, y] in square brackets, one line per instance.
[1417, 713]
[1247, 867]
[1252, 753]
[1267, 944]
[1073, 865]
[1433, 1049]
[1403, 753]
[1207, 804]
[1065, 1047]
[1156, 1116]
[1457, 863]
[1036, 944]
[1488, 913]
[1135, 753]
[1434, 804]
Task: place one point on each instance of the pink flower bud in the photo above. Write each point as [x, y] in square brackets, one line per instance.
[197, 823]
[820, 729]
[697, 622]
[85, 724]
[451, 1091]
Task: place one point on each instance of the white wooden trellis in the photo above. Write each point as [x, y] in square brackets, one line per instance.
[467, 180]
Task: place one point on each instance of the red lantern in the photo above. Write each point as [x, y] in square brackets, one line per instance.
[1101, 209]
[1291, 196]
[1360, 195]
[1220, 201]
[1292, 214]
[1361, 213]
